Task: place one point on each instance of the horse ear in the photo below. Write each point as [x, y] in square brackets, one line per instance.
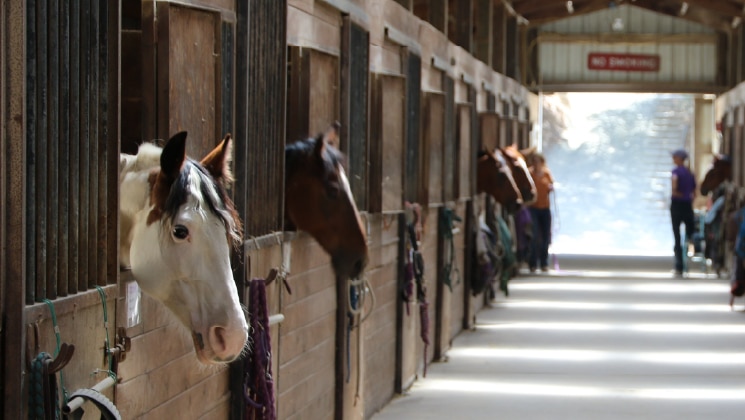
[529, 151]
[217, 162]
[331, 135]
[174, 155]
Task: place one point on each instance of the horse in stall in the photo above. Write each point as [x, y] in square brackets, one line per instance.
[318, 200]
[177, 225]
[520, 173]
[718, 182]
[494, 177]
[493, 242]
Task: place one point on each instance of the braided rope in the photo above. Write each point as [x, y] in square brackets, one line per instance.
[258, 387]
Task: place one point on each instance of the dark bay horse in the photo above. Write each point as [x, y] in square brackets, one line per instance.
[494, 177]
[318, 200]
[520, 173]
[720, 171]
[177, 226]
[715, 230]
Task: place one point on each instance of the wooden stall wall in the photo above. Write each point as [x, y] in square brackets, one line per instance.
[61, 148]
[212, 67]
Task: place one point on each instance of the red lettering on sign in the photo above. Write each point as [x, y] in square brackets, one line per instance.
[623, 62]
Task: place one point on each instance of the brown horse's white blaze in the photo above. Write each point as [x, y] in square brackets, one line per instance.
[494, 177]
[520, 173]
[318, 200]
[177, 225]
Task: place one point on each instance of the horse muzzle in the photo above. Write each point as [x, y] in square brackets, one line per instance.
[349, 265]
[221, 345]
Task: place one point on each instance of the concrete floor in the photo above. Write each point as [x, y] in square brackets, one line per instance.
[599, 338]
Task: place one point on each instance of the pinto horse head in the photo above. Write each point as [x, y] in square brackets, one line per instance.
[720, 171]
[318, 200]
[177, 228]
[520, 173]
[494, 177]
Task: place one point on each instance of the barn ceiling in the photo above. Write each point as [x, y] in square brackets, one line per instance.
[721, 15]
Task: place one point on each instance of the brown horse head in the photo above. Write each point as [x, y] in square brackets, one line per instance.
[720, 171]
[520, 173]
[318, 200]
[494, 177]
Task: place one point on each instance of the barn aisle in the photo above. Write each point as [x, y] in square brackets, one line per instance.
[593, 340]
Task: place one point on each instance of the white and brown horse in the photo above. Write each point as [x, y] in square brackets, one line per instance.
[177, 226]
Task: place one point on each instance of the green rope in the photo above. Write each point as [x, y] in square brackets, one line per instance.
[59, 342]
[109, 356]
[447, 222]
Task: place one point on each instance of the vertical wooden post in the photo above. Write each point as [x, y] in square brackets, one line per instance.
[13, 165]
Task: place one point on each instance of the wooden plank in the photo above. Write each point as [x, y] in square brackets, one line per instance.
[84, 146]
[53, 140]
[93, 145]
[30, 84]
[15, 77]
[40, 157]
[63, 180]
[104, 142]
[74, 149]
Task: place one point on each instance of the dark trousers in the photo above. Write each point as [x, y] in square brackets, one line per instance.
[681, 212]
[541, 237]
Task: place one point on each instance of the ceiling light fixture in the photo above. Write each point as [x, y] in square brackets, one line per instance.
[683, 9]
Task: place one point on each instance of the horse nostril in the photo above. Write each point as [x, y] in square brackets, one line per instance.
[217, 339]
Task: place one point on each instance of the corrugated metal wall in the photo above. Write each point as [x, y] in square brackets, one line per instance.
[687, 51]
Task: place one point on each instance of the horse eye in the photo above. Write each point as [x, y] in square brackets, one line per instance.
[180, 232]
[333, 190]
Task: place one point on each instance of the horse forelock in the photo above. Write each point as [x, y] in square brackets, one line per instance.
[300, 150]
[210, 195]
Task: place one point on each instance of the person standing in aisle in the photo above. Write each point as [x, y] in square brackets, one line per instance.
[681, 204]
[540, 213]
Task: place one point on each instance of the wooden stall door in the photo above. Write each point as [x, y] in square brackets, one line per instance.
[489, 130]
[464, 174]
[434, 137]
[387, 148]
[185, 81]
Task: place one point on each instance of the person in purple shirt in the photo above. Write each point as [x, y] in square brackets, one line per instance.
[681, 204]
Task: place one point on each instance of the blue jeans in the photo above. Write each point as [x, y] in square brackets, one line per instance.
[681, 212]
[541, 237]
